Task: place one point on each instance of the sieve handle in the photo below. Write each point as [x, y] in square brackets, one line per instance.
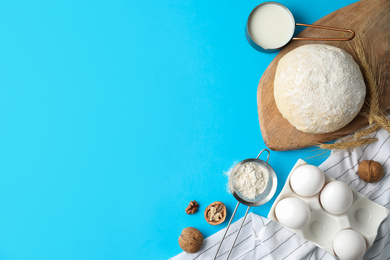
[227, 228]
[238, 232]
[262, 152]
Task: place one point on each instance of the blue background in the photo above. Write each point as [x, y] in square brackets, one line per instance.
[115, 114]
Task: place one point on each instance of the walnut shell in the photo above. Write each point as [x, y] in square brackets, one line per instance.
[190, 240]
[220, 208]
[370, 171]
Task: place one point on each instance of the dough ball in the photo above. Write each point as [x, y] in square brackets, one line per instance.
[318, 88]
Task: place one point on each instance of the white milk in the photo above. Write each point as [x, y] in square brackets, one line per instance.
[271, 26]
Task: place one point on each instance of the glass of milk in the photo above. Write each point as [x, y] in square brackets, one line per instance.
[271, 26]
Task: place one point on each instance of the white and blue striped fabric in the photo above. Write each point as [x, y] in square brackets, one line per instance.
[262, 239]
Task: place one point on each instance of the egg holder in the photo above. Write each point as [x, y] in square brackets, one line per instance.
[363, 216]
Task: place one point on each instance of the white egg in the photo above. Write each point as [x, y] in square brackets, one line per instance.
[307, 180]
[336, 197]
[349, 244]
[292, 213]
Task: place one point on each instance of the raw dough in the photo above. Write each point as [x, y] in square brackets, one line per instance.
[318, 88]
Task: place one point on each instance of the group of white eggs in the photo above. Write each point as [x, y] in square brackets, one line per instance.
[336, 198]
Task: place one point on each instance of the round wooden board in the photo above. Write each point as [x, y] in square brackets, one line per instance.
[369, 19]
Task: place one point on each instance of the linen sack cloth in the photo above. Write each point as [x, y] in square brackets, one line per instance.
[263, 239]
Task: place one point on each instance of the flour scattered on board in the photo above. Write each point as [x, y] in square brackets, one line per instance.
[250, 180]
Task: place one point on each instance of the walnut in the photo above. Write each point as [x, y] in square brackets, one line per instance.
[192, 207]
[190, 240]
[370, 171]
[215, 213]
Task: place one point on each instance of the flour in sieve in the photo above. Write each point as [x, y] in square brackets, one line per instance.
[250, 180]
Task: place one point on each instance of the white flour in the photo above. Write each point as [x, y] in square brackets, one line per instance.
[251, 180]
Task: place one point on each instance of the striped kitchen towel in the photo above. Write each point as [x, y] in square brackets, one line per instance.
[247, 245]
[266, 240]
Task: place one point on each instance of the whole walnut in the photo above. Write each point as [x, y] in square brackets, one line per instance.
[190, 240]
[370, 171]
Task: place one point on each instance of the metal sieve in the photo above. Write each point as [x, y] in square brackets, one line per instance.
[262, 198]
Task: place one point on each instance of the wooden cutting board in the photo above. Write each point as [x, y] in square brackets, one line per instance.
[369, 19]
